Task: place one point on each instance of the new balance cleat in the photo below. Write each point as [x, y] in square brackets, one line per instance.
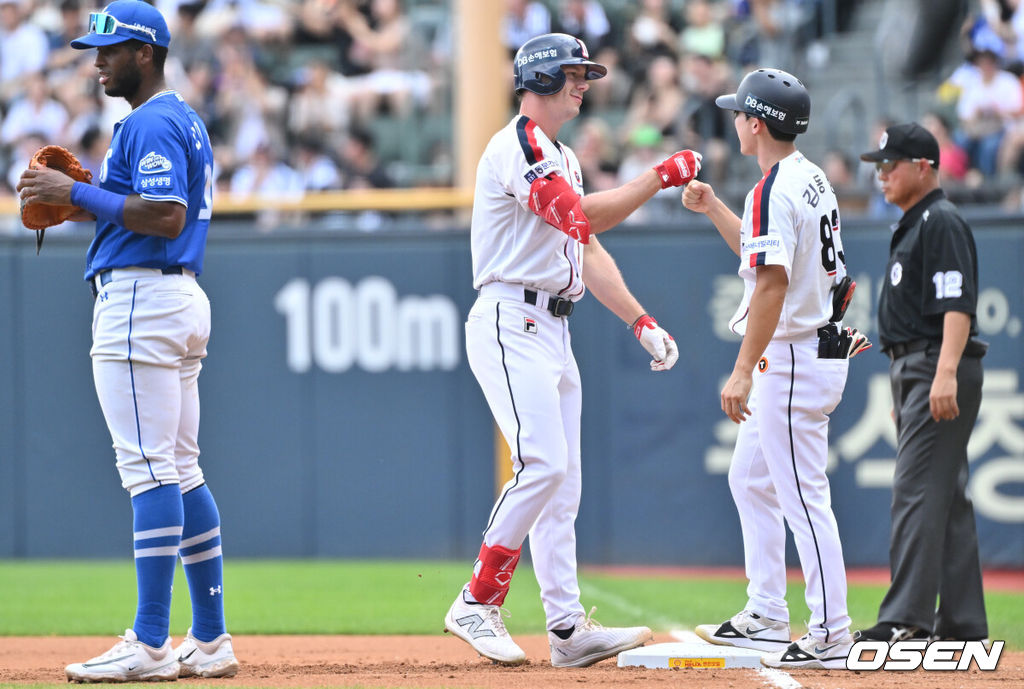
[811, 653]
[207, 658]
[747, 629]
[129, 660]
[591, 642]
[481, 627]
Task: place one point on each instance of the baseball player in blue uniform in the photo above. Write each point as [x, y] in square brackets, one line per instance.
[151, 324]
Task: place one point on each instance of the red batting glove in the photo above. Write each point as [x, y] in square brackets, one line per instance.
[679, 168]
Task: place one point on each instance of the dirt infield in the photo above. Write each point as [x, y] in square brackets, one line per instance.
[442, 661]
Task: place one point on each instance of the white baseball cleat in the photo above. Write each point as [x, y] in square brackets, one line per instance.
[481, 627]
[590, 642]
[811, 653]
[207, 658]
[129, 660]
[747, 629]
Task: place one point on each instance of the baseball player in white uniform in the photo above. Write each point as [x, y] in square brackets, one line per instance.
[789, 375]
[535, 253]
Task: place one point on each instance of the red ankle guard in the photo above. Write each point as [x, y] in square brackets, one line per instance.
[490, 582]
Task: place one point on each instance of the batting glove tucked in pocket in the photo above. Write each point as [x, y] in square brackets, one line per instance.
[858, 342]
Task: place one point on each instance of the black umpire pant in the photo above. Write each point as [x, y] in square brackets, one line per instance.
[933, 545]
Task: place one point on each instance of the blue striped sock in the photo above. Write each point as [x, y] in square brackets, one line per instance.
[204, 565]
[158, 521]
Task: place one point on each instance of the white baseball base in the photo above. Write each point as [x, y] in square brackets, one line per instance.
[686, 654]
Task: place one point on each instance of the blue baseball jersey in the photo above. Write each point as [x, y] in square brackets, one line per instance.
[160, 151]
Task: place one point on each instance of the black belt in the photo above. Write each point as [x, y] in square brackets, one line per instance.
[556, 305]
[105, 275]
[901, 349]
[974, 348]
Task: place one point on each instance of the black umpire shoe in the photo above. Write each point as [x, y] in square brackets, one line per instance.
[958, 637]
[891, 632]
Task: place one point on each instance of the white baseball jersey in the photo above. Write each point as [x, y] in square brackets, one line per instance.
[521, 355]
[777, 475]
[791, 218]
[510, 243]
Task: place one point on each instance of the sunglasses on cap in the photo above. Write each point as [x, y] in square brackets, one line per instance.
[105, 24]
[888, 166]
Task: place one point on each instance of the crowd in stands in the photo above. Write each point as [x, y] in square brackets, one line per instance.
[289, 90]
[979, 121]
[310, 95]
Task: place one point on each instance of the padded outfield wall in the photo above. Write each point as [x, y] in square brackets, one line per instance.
[340, 418]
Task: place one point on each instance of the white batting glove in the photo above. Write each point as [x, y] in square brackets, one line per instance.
[858, 342]
[658, 343]
[671, 355]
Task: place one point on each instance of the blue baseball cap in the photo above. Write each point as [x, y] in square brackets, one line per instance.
[125, 20]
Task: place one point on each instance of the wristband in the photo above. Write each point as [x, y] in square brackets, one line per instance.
[105, 205]
[645, 321]
[633, 325]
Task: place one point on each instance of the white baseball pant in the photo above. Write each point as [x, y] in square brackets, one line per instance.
[522, 358]
[150, 333]
[778, 471]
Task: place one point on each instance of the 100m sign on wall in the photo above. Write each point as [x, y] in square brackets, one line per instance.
[335, 325]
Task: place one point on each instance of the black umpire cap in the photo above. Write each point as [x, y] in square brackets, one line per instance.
[905, 142]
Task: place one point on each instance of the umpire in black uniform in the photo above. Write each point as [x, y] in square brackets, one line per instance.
[927, 327]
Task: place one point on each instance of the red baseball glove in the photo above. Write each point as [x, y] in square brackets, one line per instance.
[39, 216]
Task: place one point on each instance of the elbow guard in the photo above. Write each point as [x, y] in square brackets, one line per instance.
[553, 199]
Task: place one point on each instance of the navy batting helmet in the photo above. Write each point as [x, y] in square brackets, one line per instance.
[776, 97]
[538, 64]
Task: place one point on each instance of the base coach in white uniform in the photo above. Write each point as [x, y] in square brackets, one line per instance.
[534, 255]
[792, 365]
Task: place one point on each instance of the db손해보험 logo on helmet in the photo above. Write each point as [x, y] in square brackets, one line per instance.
[550, 53]
[769, 111]
[765, 108]
[774, 96]
[538, 64]
[539, 55]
